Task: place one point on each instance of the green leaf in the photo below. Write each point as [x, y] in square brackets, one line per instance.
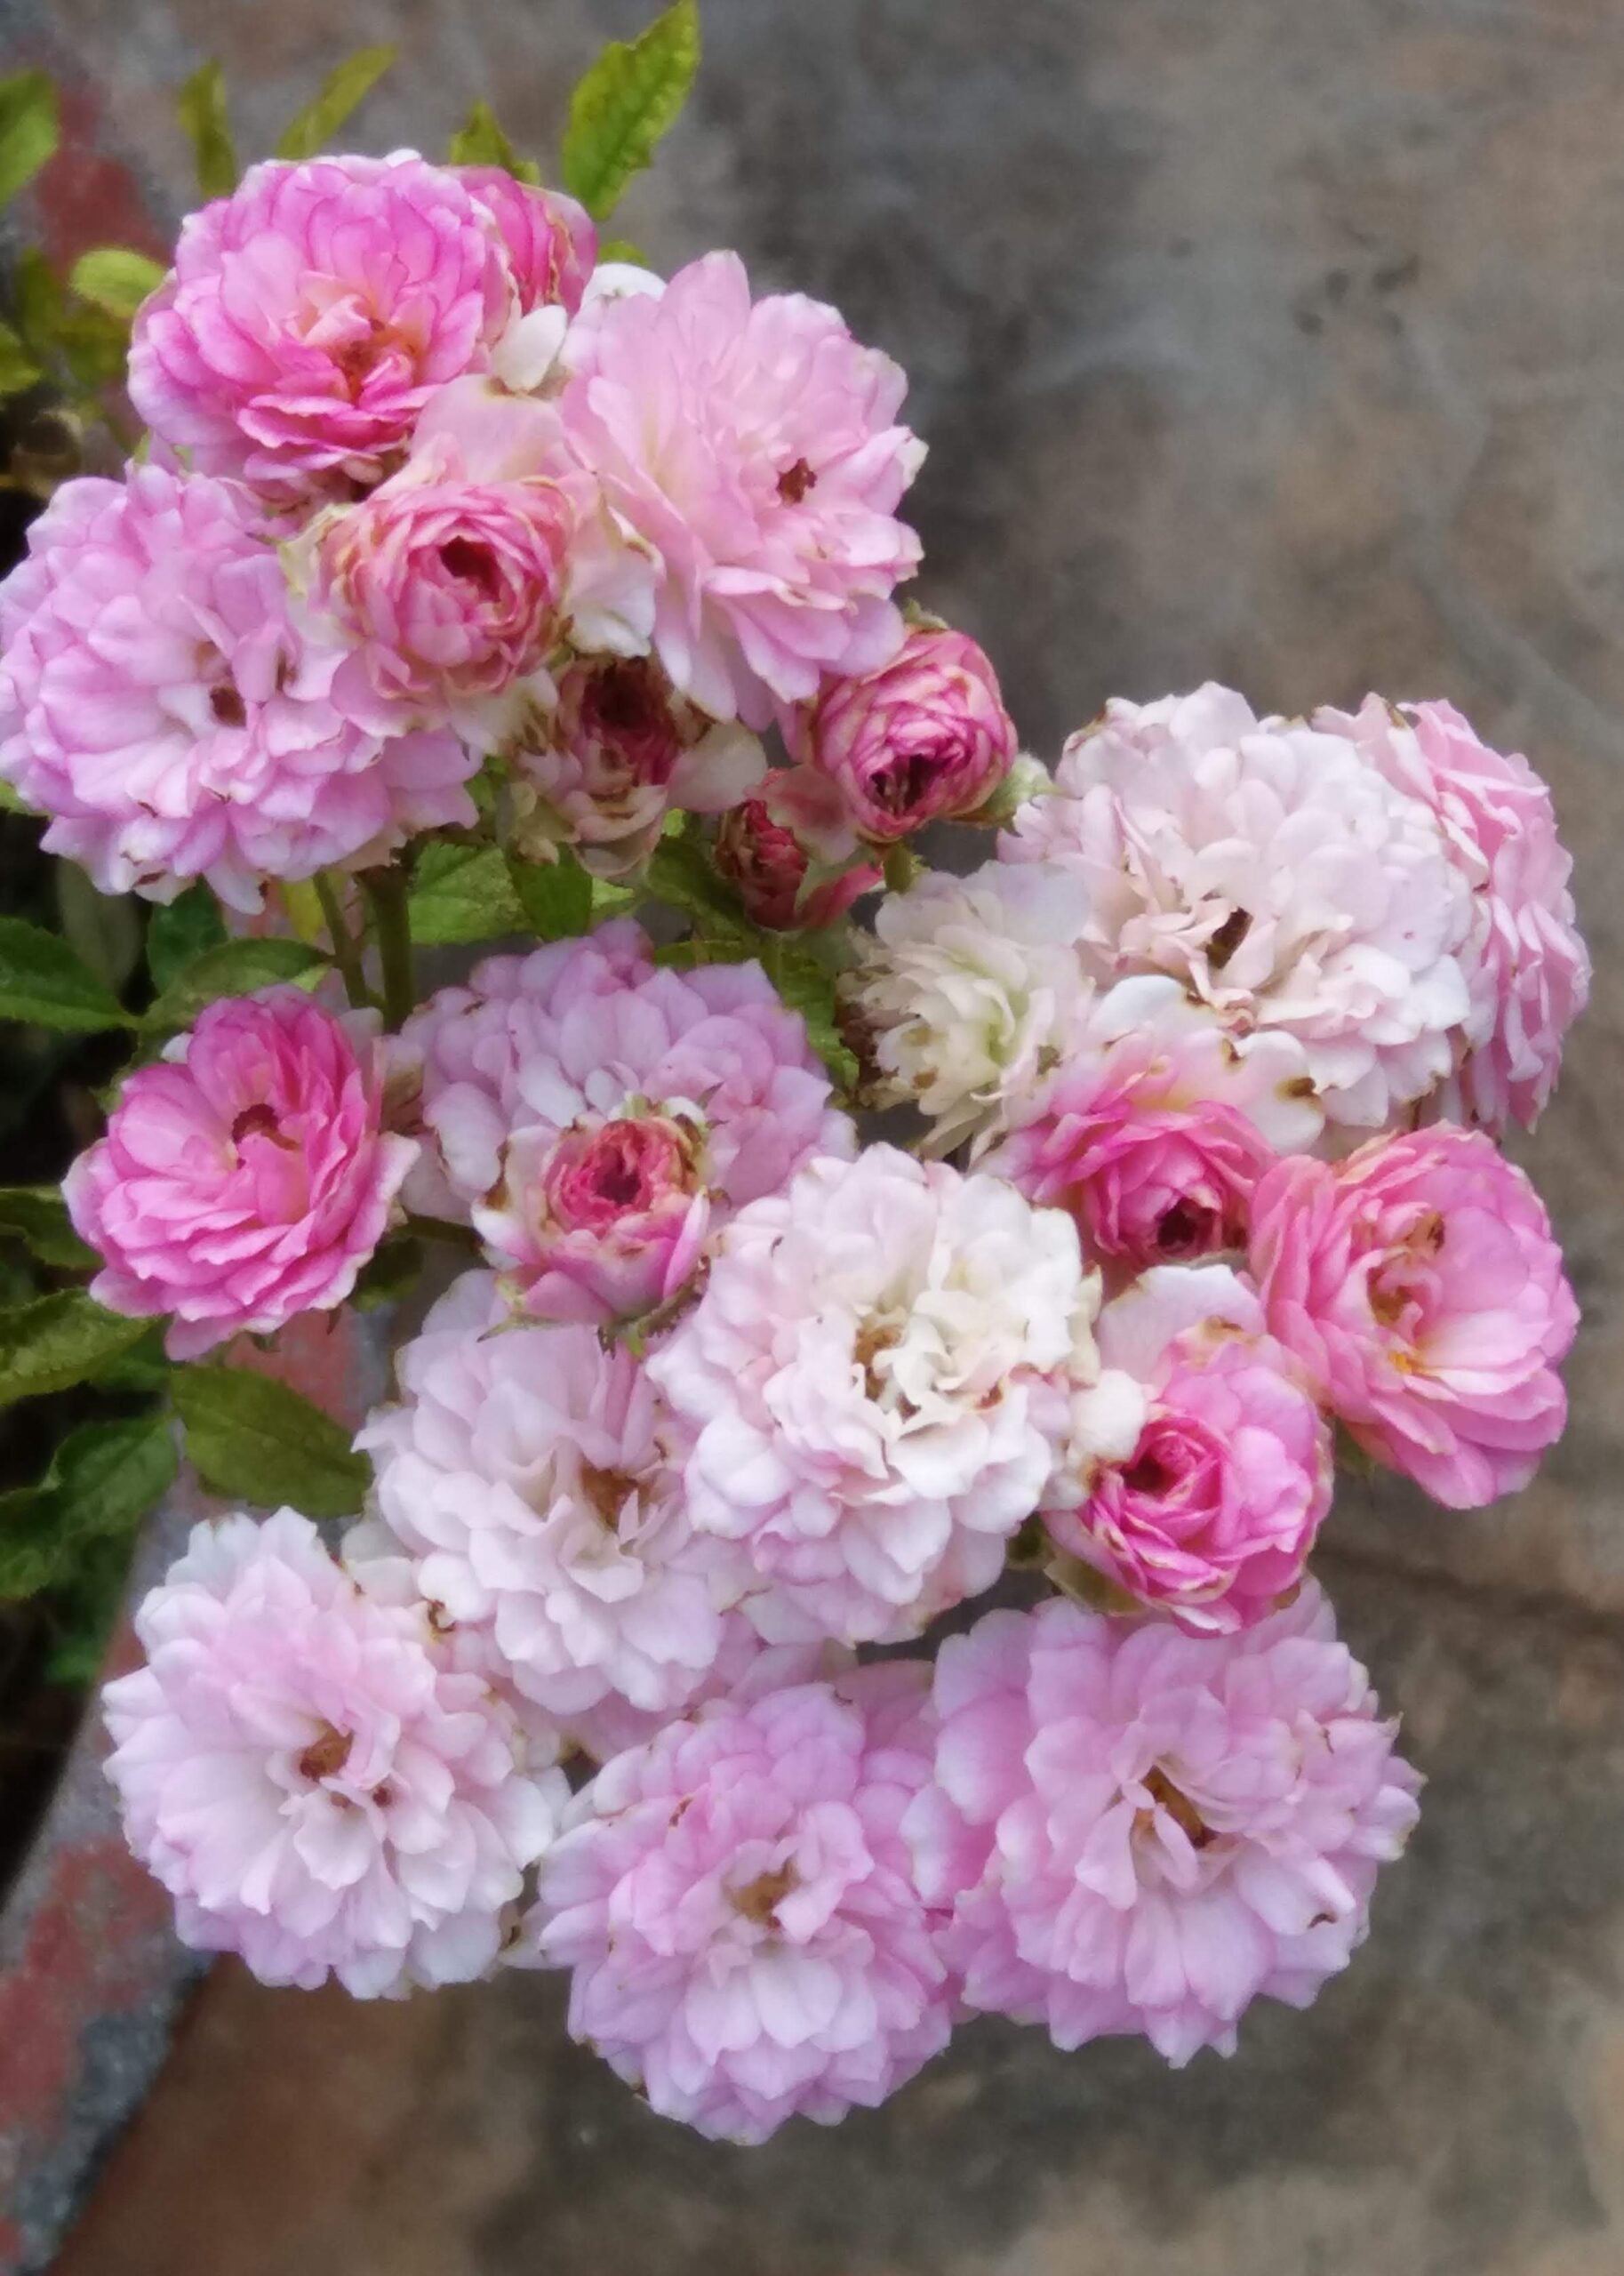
[622, 249]
[462, 894]
[235, 969]
[681, 874]
[41, 980]
[95, 346]
[343, 91]
[556, 896]
[144, 1367]
[18, 369]
[809, 987]
[102, 1480]
[36, 297]
[623, 105]
[27, 129]
[391, 1270]
[202, 108]
[37, 1214]
[12, 801]
[180, 933]
[256, 1440]
[103, 928]
[115, 279]
[58, 1341]
[480, 141]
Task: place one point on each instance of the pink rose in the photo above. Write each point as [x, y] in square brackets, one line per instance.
[446, 590]
[769, 867]
[923, 738]
[602, 767]
[1156, 1126]
[750, 451]
[195, 731]
[1212, 1515]
[550, 240]
[309, 317]
[1527, 969]
[1419, 1286]
[248, 1177]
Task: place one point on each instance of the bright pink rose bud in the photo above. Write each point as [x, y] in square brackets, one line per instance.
[924, 739]
[310, 315]
[1419, 1286]
[767, 865]
[550, 240]
[1212, 1515]
[621, 749]
[248, 1177]
[446, 590]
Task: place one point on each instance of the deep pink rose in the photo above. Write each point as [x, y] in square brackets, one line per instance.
[309, 317]
[550, 240]
[1212, 1515]
[924, 739]
[1419, 1286]
[768, 867]
[246, 1178]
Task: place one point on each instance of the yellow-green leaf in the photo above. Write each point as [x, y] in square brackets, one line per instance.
[627, 99]
[480, 141]
[27, 129]
[233, 968]
[255, 1439]
[343, 91]
[114, 278]
[42, 980]
[38, 1215]
[462, 894]
[556, 896]
[202, 108]
[58, 1341]
[18, 369]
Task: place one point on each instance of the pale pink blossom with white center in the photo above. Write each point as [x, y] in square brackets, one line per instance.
[1269, 867]
[1527, 968]
[314, 1792]
[310, 315]
[1420, 1289]
[600, 1118]
[160, 705]
[526, 1476]
[738, 1910]
[1156, 1125]
[247, 1176]
[1212, 1513]
[1142, 1831]
[872, 1377]
[753, 449]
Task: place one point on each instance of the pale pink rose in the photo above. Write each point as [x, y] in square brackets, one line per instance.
[526, 1478]
[737, 1908]
[924, 738]
[1280, 876]
[550, 240]
[245, 1178]
[777, 877]
[600, 1118]
[1156, 1126]
[1527, 968]
[314, 1791]
[753, 449]
[1215, 1511]
[604, 765]
[1142, 1831]
[1419, 1286]
[309, 317]
[157, 702]
[868, 1380]
[745, 1669]
[446, 591]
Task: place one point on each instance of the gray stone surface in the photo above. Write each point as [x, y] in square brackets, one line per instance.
[1276, 342]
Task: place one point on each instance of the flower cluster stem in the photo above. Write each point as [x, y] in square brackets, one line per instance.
[346, 954]
[392, 923]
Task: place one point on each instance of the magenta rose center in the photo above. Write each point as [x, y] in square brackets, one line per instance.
[624, 1168]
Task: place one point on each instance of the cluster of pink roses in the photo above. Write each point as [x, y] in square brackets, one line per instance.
[1209, 1067]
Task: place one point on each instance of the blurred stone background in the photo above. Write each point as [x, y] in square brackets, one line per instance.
[1276, 342]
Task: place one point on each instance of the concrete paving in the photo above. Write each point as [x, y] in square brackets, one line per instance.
[1276, 342]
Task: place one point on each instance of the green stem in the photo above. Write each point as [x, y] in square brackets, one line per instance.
[392, 923]
[346, 955]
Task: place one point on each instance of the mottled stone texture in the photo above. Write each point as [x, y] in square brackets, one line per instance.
[1274, 339]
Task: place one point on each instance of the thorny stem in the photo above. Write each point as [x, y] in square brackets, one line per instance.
[346, 955]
